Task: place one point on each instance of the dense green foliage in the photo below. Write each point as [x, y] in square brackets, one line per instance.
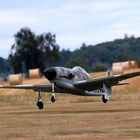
[5, 68]
[101, 56]
[32, 51]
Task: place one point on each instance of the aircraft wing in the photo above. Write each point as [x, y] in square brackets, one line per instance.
[97, 83]
[42, 87]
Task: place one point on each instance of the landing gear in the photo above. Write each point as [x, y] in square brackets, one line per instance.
[53, 95]
[107, 92]
[103, 99]
[40, 104]
[53, 98]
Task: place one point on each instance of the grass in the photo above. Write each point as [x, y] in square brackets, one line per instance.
[31, 97]
[129, 94]
[102, 133]
[78, 132]
[21, 99]
[71, 117]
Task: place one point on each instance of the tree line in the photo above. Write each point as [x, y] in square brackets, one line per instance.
[101, 56]
[30, 51]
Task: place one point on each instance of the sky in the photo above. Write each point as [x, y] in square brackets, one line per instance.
[73, 21]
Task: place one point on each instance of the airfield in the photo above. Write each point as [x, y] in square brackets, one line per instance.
[71, 117]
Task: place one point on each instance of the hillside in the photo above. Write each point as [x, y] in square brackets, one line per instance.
[93, 57]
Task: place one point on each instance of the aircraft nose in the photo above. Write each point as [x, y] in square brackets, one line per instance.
[50, 74]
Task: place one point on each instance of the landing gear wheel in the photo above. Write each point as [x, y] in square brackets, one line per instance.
[53, 98]
[40, 104]
[103, 99]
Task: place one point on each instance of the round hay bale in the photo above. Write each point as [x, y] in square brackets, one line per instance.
[116, 64]
[117, 70]
[126, 65]
[134, 64]
[15, 79]
[34, 73]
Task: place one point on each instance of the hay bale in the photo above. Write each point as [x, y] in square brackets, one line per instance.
[34, 73]
[126, 65]
[117, 70]
[134, 64]
[116, 64]
[15, 79]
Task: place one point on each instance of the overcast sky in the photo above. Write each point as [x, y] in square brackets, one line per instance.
[73, 21]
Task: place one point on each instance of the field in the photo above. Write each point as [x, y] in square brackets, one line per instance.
[71, 117]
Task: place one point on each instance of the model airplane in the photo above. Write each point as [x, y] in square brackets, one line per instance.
[76, 81]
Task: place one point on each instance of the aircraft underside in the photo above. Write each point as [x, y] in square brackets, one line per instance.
[100, 92]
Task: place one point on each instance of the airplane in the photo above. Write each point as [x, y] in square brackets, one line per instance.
[75, 81]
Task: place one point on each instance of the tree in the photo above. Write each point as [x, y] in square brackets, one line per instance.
[5, 67]
[76, 62]
[65, 56]
[49, 49]
[34, 51]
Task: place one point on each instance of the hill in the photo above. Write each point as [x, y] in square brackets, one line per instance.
[101, 56]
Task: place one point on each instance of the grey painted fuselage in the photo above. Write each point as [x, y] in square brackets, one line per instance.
[64, 78]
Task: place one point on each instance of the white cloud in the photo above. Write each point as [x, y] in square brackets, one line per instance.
[74, 22]
[16, 17]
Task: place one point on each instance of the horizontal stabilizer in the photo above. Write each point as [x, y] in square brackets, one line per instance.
[119, 84]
